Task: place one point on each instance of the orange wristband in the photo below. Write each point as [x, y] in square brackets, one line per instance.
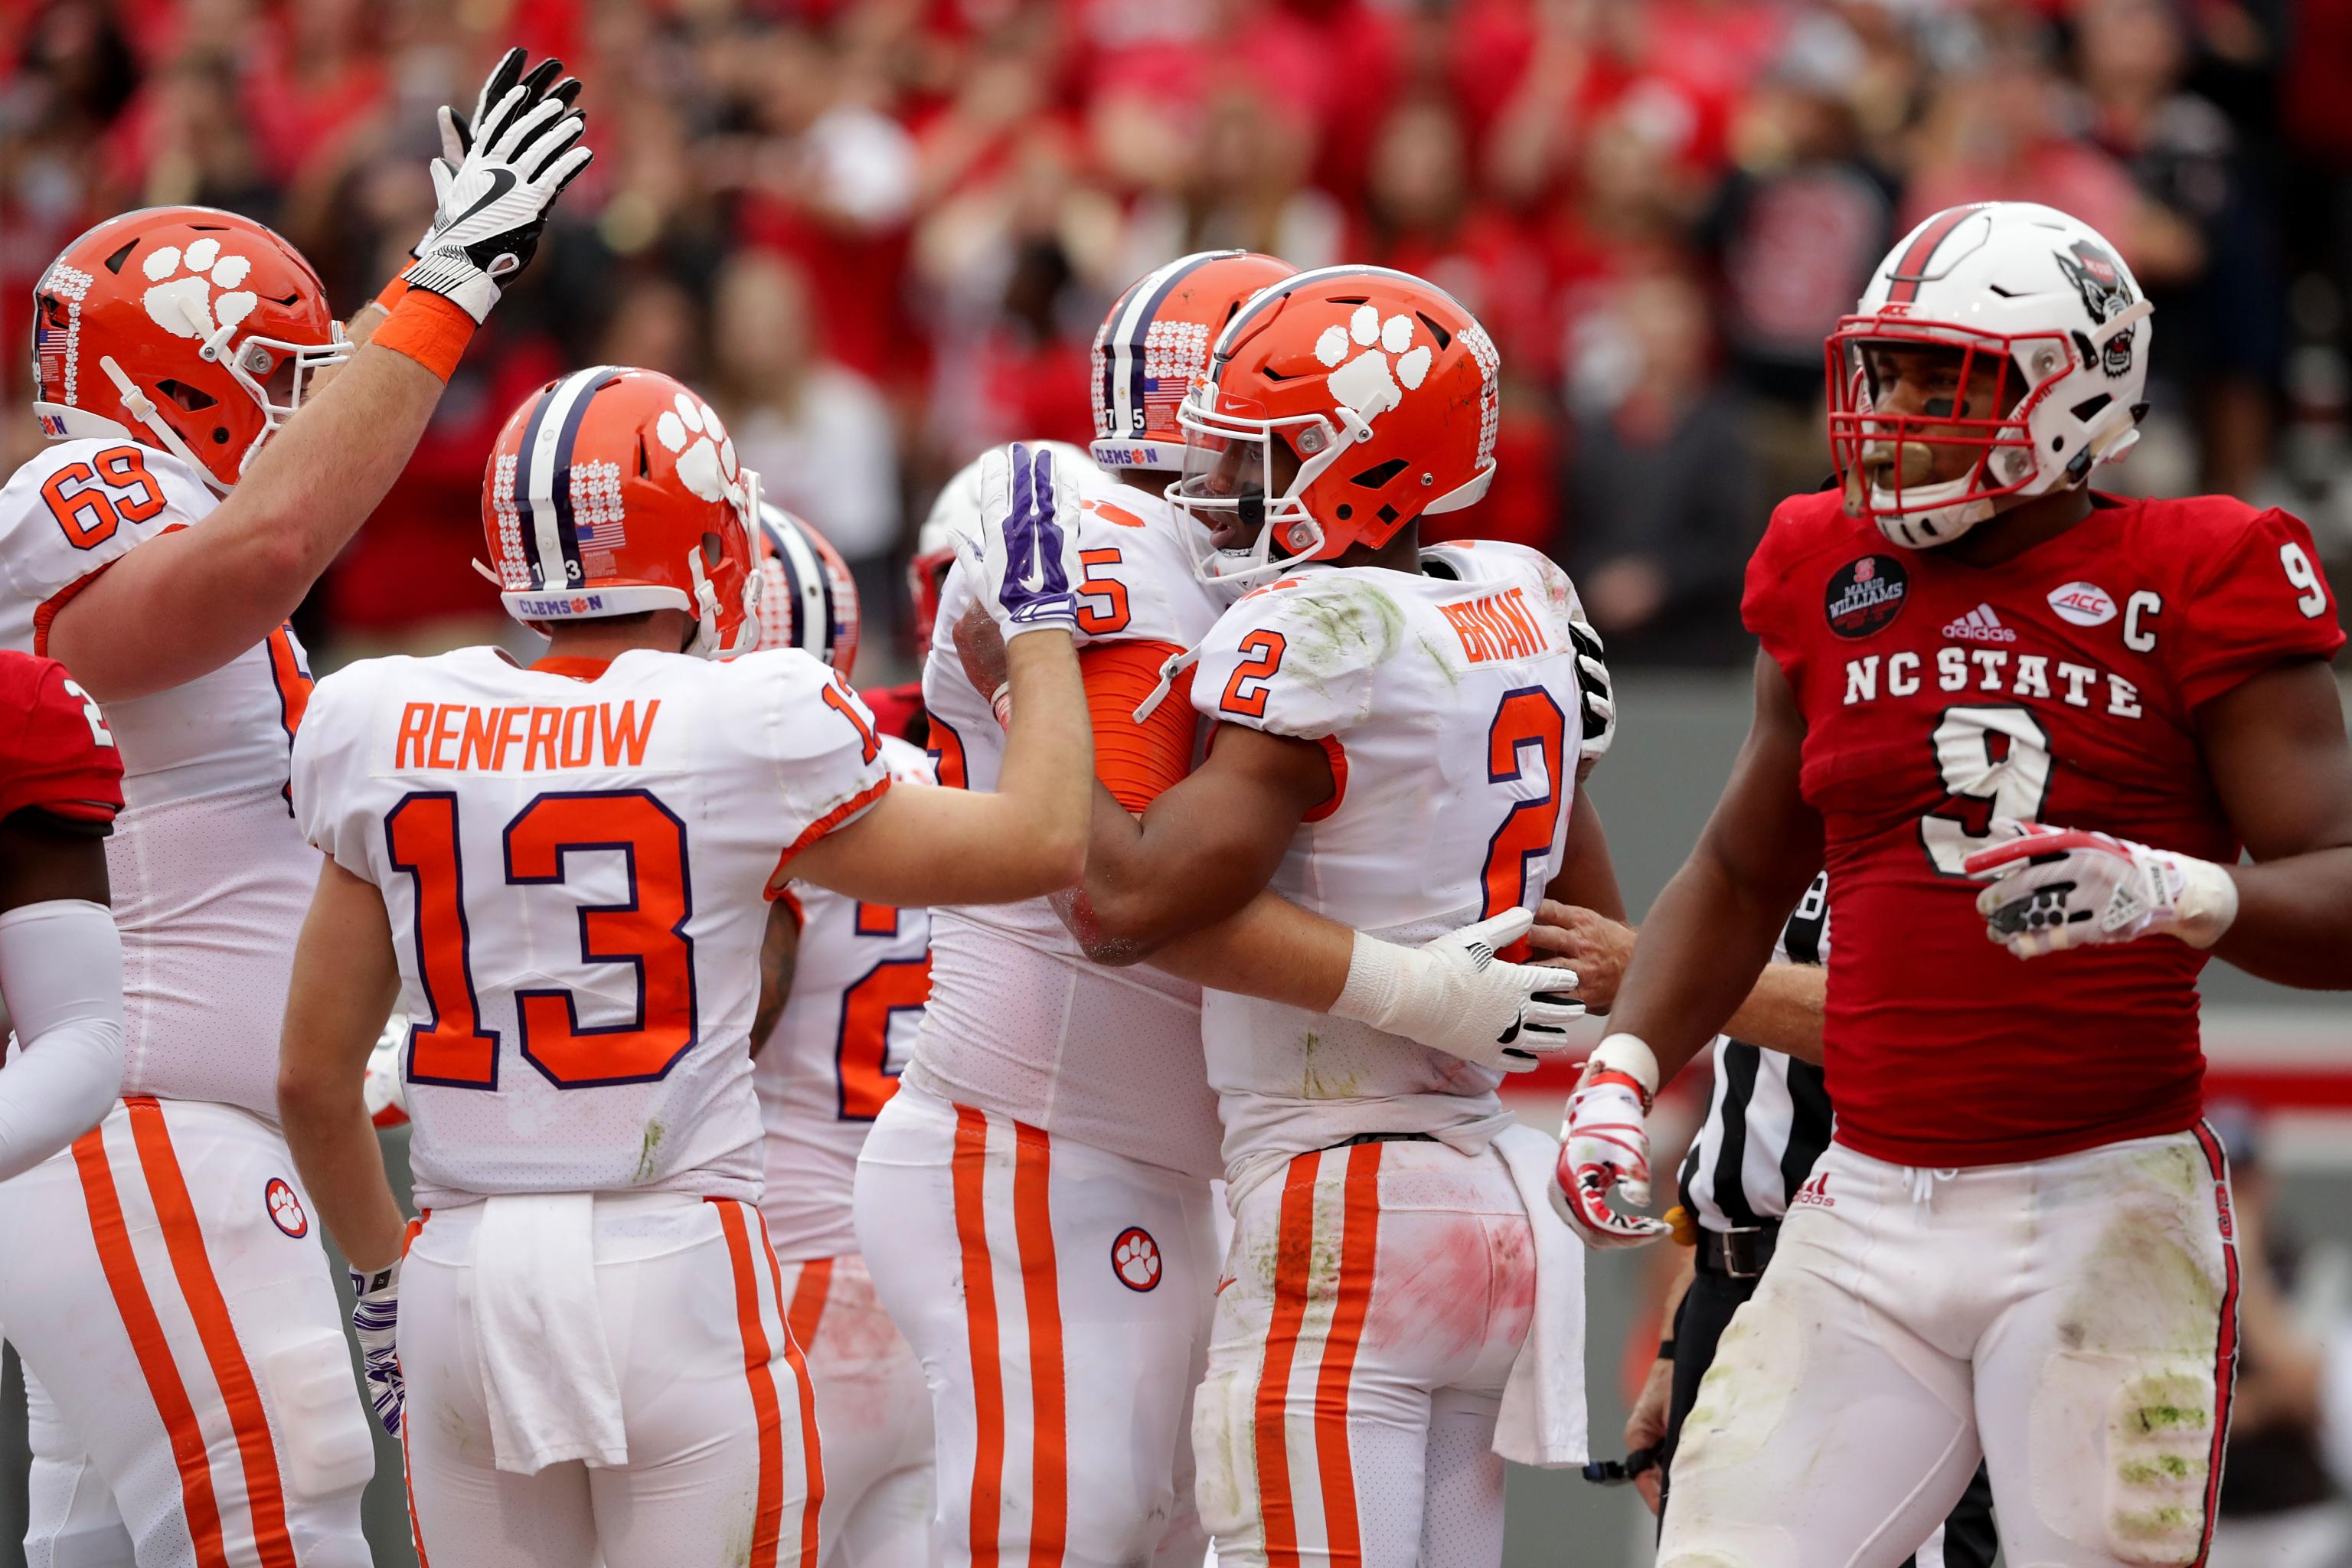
[393, 293]
[428, 329]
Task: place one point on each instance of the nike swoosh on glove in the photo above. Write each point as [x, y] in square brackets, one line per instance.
[375, 1323]
[1606, 1144]
[2057, 888]
[1454, 994]
[491, 208]
[1024, 563]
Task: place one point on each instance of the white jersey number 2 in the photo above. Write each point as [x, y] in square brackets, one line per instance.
[1995, 762]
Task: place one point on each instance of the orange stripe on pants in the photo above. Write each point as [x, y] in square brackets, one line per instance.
[968, 1170]
[807, 1309]
[767, 1524]
[151, 1350]
[1358, 1249]
[200, 1288]
[812, 1449]
[407, 1483]
[1033, 1234]
[1293, 1255]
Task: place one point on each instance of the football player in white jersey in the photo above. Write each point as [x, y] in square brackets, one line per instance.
[1397, 733]
[558, 871]
[190, 1390]
[1033, 1202]
[853, 977]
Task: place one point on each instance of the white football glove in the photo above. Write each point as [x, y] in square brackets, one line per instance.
[1454, 995]
[383, 1091]
[375, 1323]
[1605, 1144]
[491, 203]
[1024, 563]
[2055, 887]
[458, 132]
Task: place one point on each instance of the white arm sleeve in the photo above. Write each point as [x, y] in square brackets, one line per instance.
[61, 972]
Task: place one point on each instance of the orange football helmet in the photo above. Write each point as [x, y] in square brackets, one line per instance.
[1340, 406]
[1155, 344]
[614, 491]
[186, 328]
[808, 600]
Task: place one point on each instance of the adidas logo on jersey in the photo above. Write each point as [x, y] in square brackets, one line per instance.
[1981, 624]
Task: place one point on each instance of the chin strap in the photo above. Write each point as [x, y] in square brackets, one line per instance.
[1176, 664]
[142, 407]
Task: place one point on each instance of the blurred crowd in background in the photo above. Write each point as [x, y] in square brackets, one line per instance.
[880, 233]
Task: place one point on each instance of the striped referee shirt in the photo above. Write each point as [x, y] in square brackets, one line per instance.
[1769, 1118]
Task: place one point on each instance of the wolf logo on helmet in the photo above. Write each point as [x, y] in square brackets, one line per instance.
[2106, 294]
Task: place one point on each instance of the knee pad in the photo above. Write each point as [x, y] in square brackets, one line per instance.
[2154, 1418]
[328, 1448]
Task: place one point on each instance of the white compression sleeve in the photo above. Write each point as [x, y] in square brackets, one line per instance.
[61, 974]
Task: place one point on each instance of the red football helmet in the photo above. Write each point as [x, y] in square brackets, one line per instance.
[1155, 344]
[614, 491]
[808, 600]
[1374, 390]
[185, 328]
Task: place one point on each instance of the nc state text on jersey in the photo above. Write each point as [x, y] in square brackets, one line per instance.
[461, 738]
[1992, 669]
[1497, 625]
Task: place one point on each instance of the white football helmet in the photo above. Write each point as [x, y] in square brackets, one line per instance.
[2046, 295]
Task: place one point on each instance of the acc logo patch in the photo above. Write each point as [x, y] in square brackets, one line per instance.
[2083, 603]
[1865, 595]
[1135, 1258]
[284, 1208]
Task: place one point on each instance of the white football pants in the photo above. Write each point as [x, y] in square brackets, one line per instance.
[1058, 1296]
[873, 1416]
[722, 1431]
[1378, 1295]
[193, 1402]
[2073, 1321]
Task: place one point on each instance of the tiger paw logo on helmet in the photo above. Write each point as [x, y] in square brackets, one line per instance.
[180, 298]
[1385, 355]
[707, 465]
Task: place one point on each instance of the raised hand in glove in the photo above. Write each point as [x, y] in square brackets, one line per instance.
[492, 204]
[458, 131]
[1024, 565]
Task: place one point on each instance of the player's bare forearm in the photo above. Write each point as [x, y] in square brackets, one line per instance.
[780, 951]
[1783, 1011]
[2276, 748]
[186, 603]
[346, 979]
[1588, 876]
[1270, 947]
[1711, 931]
[925, 845]
[1207, 847]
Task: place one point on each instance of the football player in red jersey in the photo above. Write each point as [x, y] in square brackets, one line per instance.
[60, 959]
[1996, 704]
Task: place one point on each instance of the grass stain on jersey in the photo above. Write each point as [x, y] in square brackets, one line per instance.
[1340, 623]
[649, 1149]
[1437, 657]
[1315, 1085]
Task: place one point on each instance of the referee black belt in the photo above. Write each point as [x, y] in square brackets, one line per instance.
[1738, 1254]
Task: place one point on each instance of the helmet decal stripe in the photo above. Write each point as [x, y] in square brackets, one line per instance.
[542, 493]
[1912, 270]
[807, 591]
[1124, 363]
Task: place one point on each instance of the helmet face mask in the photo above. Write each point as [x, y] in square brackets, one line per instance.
[1244, 481]
[2000, 355]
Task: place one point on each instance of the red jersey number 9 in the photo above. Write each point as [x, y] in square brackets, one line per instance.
[647, 931]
